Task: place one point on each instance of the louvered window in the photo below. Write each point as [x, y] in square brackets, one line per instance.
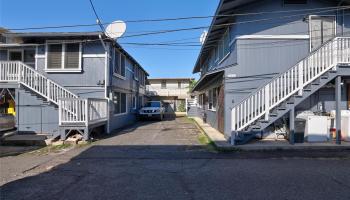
[72, 56]
[119, 64]
[66, 57]
[54, 54]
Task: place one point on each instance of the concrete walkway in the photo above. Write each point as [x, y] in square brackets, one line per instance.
[263, 145]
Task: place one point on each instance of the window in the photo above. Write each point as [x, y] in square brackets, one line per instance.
[136, 72]
[140, 102]
[202, 100]
[54, 56]
[66, 57]
[226, 45]
[72, 56]
[179, 85]
[294, 1]
[29, 56]
[163, 84]
[153, 104]
[119, 100]
[119, 64]
[213, 94]
[210, 105]
[134, 102]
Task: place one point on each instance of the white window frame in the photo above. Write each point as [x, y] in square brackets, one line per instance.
[134, 102]
[120, 65]
[211, 99]
[161, 84]
[334, 24]
[62, 69]
[126, 103]
[15, 50]
[224, 56]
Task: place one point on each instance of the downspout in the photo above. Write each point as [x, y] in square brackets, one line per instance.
[107, 73]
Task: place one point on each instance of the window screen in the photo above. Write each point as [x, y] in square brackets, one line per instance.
[163, 85]
[122, 66]
[54, 54]
[72, 56]
[117, 62]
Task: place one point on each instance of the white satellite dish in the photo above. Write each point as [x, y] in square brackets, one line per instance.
[115, 29]
[203, 37]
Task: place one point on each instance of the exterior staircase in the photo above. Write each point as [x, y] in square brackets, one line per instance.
[72, 110]
[284, 92]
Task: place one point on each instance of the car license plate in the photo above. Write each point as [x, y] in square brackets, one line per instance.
[149, 115]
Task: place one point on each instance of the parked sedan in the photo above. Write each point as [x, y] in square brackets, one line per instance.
[152, 109]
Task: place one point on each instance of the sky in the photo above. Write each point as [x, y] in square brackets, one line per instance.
[159, 61]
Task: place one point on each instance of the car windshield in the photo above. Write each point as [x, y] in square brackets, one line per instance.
[152, 104]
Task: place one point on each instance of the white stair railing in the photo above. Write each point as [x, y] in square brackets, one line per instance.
[15, 71]
[85, 111]
[290, 82]
[71, 108]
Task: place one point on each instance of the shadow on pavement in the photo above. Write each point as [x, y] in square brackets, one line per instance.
[150, 172]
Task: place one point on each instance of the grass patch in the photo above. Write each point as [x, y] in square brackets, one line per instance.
[51, 149]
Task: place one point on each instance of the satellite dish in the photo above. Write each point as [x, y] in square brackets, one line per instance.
[115, 29]
[203, 37]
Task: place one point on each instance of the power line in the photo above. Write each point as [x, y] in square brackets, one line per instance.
[97, 18]
[174, 19]
[220, 25]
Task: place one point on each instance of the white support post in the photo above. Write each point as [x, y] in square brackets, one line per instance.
[87, 113]
[267, 102]
[186, 103]
[233, 119]
[60, 112]
[300, 78]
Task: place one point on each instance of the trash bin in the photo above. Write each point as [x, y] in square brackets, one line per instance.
[299, 130]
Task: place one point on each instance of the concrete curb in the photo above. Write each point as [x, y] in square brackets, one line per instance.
[222, 144]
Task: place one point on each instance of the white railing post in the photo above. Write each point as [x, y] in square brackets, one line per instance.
[48, 90]
[267, 101]
[87, 112]
[300, 78]
[335, 56]
[19, 71]
[233, 119]
[59, 112]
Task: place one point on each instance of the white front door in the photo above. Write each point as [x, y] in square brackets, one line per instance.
[322, 29]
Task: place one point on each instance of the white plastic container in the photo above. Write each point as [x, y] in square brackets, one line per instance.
[316, 129]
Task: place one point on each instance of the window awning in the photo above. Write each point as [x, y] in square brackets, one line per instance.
[208, 79]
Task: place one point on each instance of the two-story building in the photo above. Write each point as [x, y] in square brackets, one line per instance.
[265, 61]
[173, 91]
[70, 81]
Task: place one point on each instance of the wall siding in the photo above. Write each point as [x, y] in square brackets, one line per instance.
[33, 115]
[253, 62]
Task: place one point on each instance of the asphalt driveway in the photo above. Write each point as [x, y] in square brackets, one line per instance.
[164, 160]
